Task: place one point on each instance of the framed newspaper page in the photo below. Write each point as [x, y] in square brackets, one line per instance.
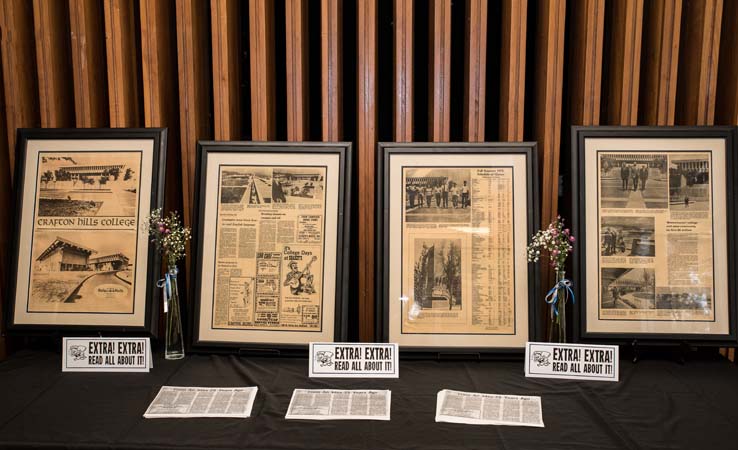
[79, 261]
[453, 229]
[655, 214]
[271, 256]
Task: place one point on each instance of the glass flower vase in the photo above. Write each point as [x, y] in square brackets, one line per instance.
[174, 339]
[557, 313]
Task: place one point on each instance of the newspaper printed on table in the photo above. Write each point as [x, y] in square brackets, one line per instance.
[332, 404]
[188, 402]
[488, 409]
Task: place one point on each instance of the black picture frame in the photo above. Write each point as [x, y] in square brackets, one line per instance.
[205, 148]
[382, 275]
[579, 134]
[158, 136]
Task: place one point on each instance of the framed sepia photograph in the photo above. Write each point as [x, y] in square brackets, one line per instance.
[654, 210]
[271, 237]
[79, 260]
[453, 226]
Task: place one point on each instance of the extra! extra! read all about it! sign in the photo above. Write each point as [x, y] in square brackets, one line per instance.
[353, 360]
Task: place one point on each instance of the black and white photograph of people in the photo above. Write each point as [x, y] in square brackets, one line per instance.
[437, 194]
[627, 236]
[634, 181]
[689, 182]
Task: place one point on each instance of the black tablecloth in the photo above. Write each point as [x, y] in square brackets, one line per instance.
[658, 404]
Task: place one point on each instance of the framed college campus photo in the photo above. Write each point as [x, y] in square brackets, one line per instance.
[79, 261]
[453, 229]
[654, 210]
[271, 256]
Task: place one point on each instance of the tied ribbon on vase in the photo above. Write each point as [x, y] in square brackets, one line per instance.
[552, 297]
[166, 287]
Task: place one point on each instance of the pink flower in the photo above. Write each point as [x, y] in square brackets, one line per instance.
[572, 239]
[555, 252]
[566, 231]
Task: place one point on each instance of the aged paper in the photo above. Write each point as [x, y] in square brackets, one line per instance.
[334, 404]
[658, 217]
[488, 409]
[457, 250]
[269, 254]
[187, 402]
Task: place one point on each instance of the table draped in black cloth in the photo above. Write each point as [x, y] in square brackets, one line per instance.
[658, 404]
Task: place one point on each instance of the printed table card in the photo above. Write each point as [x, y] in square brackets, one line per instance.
[572, 361]
[106, 355]
[353, 360]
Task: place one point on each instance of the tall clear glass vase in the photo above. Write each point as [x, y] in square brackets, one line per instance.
[174, 338]
[557, 324]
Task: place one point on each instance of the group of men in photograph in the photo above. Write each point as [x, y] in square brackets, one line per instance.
[424, 196]
[631, 174]
[613, 242]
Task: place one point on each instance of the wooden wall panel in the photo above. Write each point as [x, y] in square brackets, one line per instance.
[625, 62]
[439, 62]
[261, 41]
[403, 75]
[194, 89]
[366, 126]
[512, 69]
[331, 68]
[123, 66]
[475, 70]
[726, 106]
[6, 204]
[53, 55]
[585, 61]
[297, 64]
[224, 19]
[700, 45]
[19, 69]
[88, 63]
[660, 58]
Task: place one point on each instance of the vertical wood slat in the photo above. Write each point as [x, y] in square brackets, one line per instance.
[88, 63]
[660, 58]
[261, 41]
[366, 127]
[297, 60]
[52, 61]
[585, 63]
[224, 19]
[475, 70]
[6, 192]
[120, 41]
[625, 62]
[548, 97]
[160, 96]
[19, 71]
[194, 90]
[726, 106]
[512, 69]
[439, 62]
[331, 68]
[700, 46]
[403, 75]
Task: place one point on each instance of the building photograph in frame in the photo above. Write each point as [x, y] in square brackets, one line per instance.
[452, 239]
[271, 245]
[655, 217]
[81, 261]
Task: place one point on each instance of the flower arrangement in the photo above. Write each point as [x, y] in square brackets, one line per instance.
[168, 235]
[556, 240]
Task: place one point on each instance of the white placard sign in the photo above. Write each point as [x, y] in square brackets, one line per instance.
[106, 355]
[353, 360]
[572, 361]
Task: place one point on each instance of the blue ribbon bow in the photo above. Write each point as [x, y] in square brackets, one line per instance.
[166, 287]
[552, 297]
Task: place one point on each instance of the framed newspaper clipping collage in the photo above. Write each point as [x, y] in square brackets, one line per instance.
[271, 234]
[79, 259]
[454, 224]
[655, 213]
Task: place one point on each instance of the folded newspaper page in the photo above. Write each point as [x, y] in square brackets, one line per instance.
[184, 402]
[488, 409]
[332, 404]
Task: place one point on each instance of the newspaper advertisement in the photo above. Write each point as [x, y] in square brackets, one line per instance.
[187, 402]
[334, 404]
[269, 248]
[457, 250]
[85, 232]
[655, 236]
[488, 409]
